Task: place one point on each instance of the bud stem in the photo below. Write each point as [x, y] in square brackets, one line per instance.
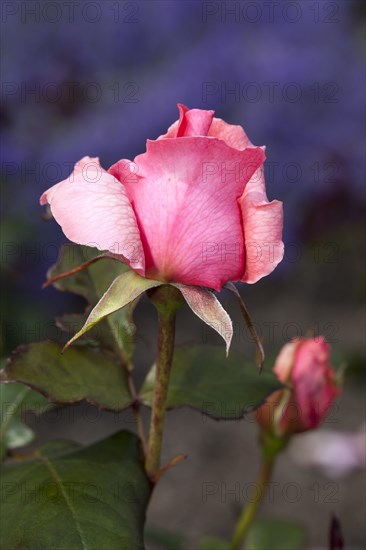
[166, 300]
[249, 513]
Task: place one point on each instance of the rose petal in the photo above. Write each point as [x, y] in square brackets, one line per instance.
[125, 171]
[313, 381]
[195, 122]
[93, 209]
[173, 128]
[199, 122]
[192, 122]
[232, 134]
[285, 361]
[263, 222]
[186, 206]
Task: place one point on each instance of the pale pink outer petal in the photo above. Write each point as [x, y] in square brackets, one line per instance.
[125, 171]
[186, 206]
[263, 222]
[284, 362]
[232, 134]
[93, 209]
[313, 381]
[207, 307]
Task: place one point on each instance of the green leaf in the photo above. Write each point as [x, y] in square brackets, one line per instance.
[88, 499]
[124, 289]
[276, 535]
[14, 400]
[80, 373]
[116, 332]
[17, 434]
[213, 543]
[222, 388]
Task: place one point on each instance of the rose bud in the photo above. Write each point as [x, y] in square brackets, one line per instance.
[192, 209]
[310, 388]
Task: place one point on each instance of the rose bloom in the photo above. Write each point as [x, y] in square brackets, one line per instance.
[192, 209]
[304, 367]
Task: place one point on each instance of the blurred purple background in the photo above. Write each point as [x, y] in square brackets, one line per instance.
[99, 78]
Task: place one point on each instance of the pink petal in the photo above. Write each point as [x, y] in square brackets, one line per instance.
[192, 122]
[186, 206]
[173, 128]
[93, 209]
[195, 123]
[124, 171]
[263, 223]
[199, 122]
[232, 135]
[207, 307]
[285, 361]
[313, 381]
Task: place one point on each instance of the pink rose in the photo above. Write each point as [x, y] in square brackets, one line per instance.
[304, 367]
[192, 209]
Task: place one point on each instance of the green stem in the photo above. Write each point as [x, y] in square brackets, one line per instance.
[166, 304]
[249, 513]
[136, 412]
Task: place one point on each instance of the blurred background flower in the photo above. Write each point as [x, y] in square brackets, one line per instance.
[337, 454]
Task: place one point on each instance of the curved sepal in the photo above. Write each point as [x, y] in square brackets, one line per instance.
[260, 351]
[124, 289]
[207, 307]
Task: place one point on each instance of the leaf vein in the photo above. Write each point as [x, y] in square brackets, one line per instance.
[68, 502]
